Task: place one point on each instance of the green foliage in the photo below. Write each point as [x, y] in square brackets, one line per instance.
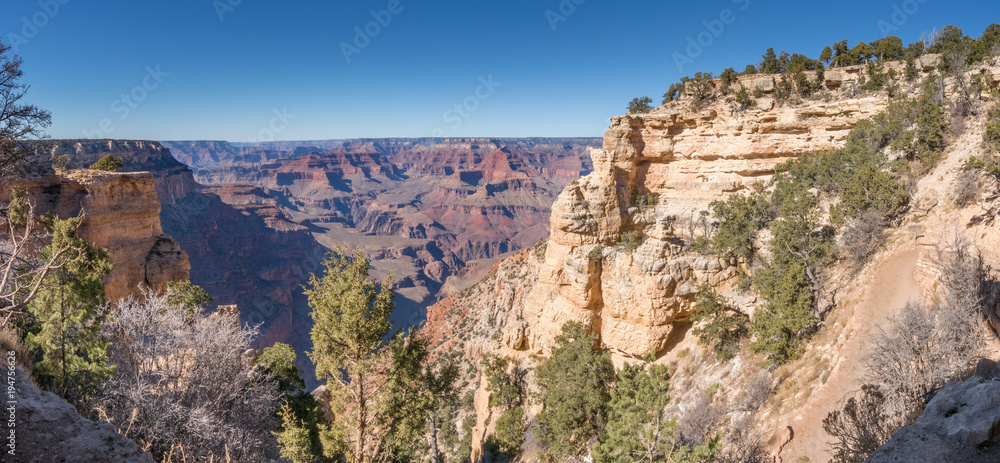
[728, 78]
[826, 55]
[750, 70]
[743, 99]
[783, 90]
[188, 295]
[700, 88]
[596, 254]
[911, 72]
[69, 309]
[984, 46]
[294, 440]
[640, 105]
[889, 48]
[674, 93]
[574, 384]
[740, 218]
[379, 389]
[787, 315]
[629, 241]
[769, 63]
[109, 162]
[63, 162]
[506, 441]
[871, 188]
[505, 386]
[637, 428]
[718, 325]
[279, 362]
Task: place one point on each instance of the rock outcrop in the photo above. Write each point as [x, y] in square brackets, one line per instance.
[48, 429]
[960, 424]
[619, 257]
[120, 212]
[248, 253]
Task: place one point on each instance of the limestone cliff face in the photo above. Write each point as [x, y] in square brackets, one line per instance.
[120, 212]
[634, 298]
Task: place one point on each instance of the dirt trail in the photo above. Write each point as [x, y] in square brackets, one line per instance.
[892, 286]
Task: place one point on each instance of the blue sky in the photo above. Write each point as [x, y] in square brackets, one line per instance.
[244, 70]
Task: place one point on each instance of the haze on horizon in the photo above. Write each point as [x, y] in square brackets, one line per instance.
[248, 71]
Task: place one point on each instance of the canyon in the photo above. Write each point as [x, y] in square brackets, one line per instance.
[434, 214]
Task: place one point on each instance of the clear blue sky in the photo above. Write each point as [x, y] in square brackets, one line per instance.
[226, 78]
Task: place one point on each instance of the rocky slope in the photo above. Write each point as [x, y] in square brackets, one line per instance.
[47, 428]
[960, 424]
[434, 213]
[619, 257]
[120, 212]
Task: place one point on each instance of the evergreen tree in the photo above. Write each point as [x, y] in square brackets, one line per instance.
[638, 430]
[574, 384]
[722, 327]
[69, 309]
[109, 162]
[378, 389]
[294, 438]
[640, 105]
[826, 56]
[769, 63]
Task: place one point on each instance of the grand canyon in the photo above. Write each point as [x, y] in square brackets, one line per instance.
[791, 261]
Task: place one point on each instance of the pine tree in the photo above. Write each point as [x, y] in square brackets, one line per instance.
[69, 309]
[574, 383]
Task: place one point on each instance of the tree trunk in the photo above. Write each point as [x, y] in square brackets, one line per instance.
[432, 439]
[359, 443]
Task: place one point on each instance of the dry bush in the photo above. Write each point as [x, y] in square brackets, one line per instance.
[10, 341]
[967, 188]
[864, 236]
[863, 425]
[183, 382]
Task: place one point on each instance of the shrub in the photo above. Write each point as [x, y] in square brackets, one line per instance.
[966, 188]
[640, 105]
[629, 241]
[740, 220]
[574, 384]
[596, 254]
[864, 235]
[506, 441]
[673, 93]
[721, 326]
[185, 382]
[109, 162]
[863, 425]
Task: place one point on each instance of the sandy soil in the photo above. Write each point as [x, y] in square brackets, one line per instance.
[893, 285]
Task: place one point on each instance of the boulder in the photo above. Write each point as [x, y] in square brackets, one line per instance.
[958, 425]
[833, 78]
[764, 84]
[931, 61]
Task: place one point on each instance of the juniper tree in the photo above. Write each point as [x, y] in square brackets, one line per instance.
[574, 382]
[379, 388]
[69, 309]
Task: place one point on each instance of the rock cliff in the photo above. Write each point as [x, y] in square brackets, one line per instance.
[120, 212]
[652, 179]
